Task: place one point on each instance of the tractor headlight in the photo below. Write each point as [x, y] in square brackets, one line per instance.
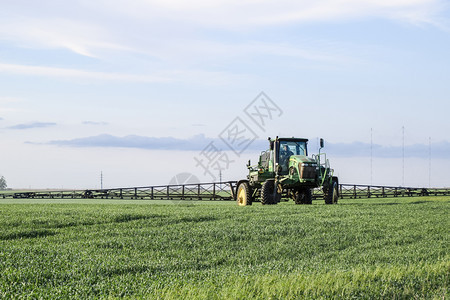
[308, 165]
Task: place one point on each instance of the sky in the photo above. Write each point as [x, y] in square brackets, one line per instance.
[141, 91]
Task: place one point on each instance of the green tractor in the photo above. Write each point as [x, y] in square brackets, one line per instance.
[285, 170]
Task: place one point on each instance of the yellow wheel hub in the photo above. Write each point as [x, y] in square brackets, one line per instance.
[242, 197]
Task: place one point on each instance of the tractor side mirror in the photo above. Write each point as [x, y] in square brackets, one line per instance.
[249, 163]
[321, 143]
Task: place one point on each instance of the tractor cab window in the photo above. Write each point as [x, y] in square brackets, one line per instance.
[288, 148]
[292, 148]
[264, 159]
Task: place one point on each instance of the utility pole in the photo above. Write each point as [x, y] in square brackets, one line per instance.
[101, 180]
[403, 155]
[429, 162]
[371, 155]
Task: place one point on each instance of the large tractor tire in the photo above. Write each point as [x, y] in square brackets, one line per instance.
[267, 193]
[331, 194]
[244, 194]
[303, 196]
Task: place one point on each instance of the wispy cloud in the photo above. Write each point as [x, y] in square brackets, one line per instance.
[95, 123]
[213, 78]
[32, 125]
[5, 104]
[99, 30]
[266, 12]
[195, 143]
[5, 100]
[103, 33]
[133, 141]
[201, 50]
[75, 73]
[200, 142]
[81, 36]
[359, 149]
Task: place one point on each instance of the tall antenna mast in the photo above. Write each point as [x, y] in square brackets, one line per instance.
[429, 162]
[371, 155]
[403, 155]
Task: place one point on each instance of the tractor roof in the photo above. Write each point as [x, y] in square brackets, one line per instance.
[293, 139]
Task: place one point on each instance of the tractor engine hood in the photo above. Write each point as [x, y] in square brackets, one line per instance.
[296, 159]
[303, 166]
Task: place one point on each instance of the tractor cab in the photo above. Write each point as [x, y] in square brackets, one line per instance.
[287, 148]
[278, 158]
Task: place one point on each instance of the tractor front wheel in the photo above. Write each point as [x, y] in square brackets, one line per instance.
[269, 194]
[303, 196]
[331, 193]
[244, 194]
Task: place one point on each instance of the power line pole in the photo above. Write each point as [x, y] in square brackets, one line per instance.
[429, 162]
[101, 180]
[371, 155]
[403, 155]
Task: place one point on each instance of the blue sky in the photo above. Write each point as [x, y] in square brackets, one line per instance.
[137, 89]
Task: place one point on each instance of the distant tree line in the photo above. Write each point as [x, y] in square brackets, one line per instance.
[3, 183]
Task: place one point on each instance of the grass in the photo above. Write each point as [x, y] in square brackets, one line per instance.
[363, 249]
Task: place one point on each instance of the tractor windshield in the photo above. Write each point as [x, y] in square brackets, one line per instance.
[288, 148]
[292, 148]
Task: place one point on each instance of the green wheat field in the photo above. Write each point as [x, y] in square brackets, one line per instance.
[394, 248]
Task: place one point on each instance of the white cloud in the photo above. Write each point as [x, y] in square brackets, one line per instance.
[212, 50]
[199, 142]
[7, 109]
[74, 73]
[32, 125]
[79, 36]
[180, 75]
[95, 123]
[5, 103]
[97, 26]
[4, 100]
[164, 40]
[235, 13]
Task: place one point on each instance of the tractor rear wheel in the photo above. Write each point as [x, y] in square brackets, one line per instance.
[268, 195]
[244, 194]
[331, 194]
[303, 196]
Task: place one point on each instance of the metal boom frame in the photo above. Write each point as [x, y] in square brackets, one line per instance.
[223, 191]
